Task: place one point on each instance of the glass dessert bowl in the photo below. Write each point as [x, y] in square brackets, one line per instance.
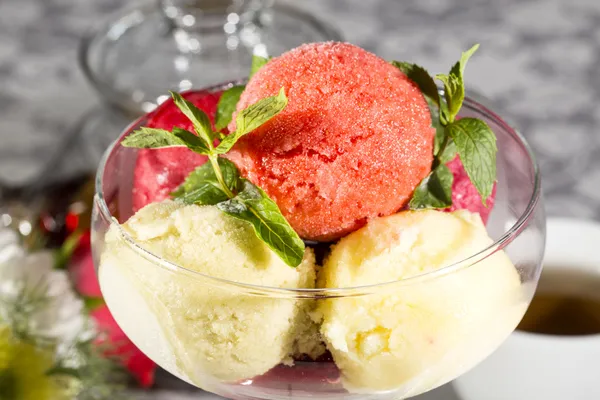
[382, 339]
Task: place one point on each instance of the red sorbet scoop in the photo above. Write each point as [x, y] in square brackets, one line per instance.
[159, 171]
[352, 144]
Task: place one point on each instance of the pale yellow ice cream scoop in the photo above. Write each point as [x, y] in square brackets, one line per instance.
[413, 337]
[194, 326]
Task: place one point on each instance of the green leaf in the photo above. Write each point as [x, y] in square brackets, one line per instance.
[444, 114]
[151, 138]
[252, 117]
[449, 153]
[226, 106]
[459, 67]
[440, 135]
[202, 187]
[435, 191]
[257, 63]
[422, 79]
[454, 86]
[198, 117]
[92, 303]
[454, 93]
[434, 112]
[192, 141]
[65, 252]
[260, 112]
[254, 206]
[204, 193]
[476, 146]
[59, 370]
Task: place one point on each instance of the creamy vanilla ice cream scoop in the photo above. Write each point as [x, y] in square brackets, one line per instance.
[415, 336]
[194, 326]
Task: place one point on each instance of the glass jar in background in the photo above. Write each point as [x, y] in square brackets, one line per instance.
[136, 57]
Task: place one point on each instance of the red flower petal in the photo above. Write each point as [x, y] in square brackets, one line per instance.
[82, 270]
[138, 364]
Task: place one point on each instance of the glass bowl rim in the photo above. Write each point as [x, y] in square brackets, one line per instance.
[507, 237]
[134, 15]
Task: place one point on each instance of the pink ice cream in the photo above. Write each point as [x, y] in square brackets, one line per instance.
[464, 193]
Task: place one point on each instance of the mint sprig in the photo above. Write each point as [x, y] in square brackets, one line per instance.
[230, 97]
[421, 77]
[198, 117]
[218, 182]
[454, 84]
[253, 205]
[203, 187]
[152, 138]
[226, 106]
[435, 190]
[476, 144]
[470, 138]
[252, 117]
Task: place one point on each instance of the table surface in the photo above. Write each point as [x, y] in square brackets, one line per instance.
[538, 65]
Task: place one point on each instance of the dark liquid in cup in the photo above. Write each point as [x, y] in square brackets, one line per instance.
[566, 303]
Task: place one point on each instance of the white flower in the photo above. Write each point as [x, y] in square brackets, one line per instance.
[9, 245]
[54, 311]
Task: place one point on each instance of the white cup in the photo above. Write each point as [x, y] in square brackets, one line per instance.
[531, 366]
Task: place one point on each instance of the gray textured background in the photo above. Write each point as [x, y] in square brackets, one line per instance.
[538, 64]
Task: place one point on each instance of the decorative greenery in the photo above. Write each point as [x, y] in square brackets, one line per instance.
[471, 138]
[230, 97]
[218, 182]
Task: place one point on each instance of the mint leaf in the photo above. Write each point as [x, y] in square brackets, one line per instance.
[257, 63]
[92, 303]
[204, 193]
[151, 138]
[226, 106]
[435, 191]
[59, 370]
[260, 112]
[254, 206]
[429, 89]
[434, 112]
[444, 114]
[191, 141]
[454, 93]
[202, 186]
[252, 117]
[448, 154]
[198, 117]
[476, 145]
[63, 255]
[454, 86]
[459, 67]
[439, 137]
[422, 79]
[449, 151]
